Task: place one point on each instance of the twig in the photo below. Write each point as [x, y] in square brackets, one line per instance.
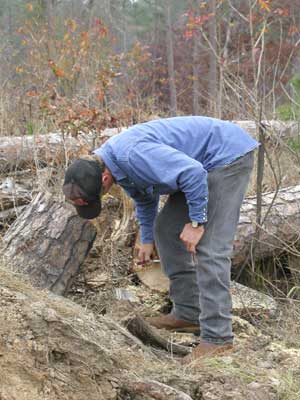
[141, 329]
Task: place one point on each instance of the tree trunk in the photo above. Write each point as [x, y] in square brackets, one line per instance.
[48, 242]
[223, 66]
[196, 66]
[155, 47]
[279, 231]
[48, 11]
[212, 76]
[170, 55]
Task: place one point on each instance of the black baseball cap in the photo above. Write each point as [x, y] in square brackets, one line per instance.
[83, 179]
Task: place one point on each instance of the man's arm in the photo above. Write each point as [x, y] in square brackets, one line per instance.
[146, 209]
[154, 163]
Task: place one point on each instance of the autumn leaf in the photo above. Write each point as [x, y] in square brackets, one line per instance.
[100, 95]
[103, 32]
[59, 72]
[293, 29]
[32, 93]
[72, 25]
[29, 7]
[264, 5]
[56, 70]
[19, 70]
[188, 34]
[284, 12]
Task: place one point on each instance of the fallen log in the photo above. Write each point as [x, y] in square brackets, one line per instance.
[9, 215]
[48, 242]
[22, 151]
[279, 232]
[275, 130]
[13, 195]
[40, 150]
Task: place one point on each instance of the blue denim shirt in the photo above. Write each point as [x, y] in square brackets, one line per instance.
[170, 155]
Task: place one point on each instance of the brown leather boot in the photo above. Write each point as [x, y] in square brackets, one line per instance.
[170, 323]
[205, 350]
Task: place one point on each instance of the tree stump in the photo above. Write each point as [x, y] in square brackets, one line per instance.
[48, 242]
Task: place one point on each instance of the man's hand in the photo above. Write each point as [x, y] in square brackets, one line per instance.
[191, 236]
[145, 252]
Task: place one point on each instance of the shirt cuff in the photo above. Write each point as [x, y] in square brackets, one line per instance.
[201, 216]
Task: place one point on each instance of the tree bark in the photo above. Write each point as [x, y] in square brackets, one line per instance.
[18, 152]
[48, 242]
[196, 66]
[212, 76]
[13, 200]
[13, 197]
[170, 55]
[279, 230]
[223, 65]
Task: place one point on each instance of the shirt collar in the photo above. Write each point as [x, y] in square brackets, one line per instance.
[109, 161]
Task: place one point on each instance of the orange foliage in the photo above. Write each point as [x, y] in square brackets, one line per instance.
[265, 4]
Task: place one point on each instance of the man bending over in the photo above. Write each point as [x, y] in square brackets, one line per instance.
[204, 165]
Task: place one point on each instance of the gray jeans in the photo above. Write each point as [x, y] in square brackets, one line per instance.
[200, 287]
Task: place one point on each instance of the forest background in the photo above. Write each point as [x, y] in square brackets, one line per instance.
[81, 65]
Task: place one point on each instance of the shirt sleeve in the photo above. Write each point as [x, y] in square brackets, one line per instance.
[156, 163]
[146, 210]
